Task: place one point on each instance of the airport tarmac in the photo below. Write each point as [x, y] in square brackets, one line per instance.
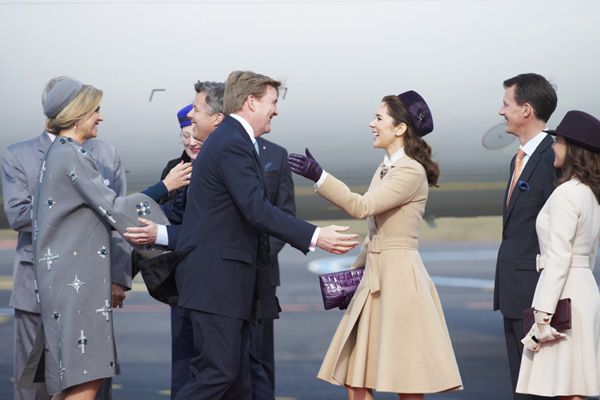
[463, 272]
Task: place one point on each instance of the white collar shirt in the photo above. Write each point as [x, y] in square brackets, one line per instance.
[387, 160]
[531, 145]
[246, 126]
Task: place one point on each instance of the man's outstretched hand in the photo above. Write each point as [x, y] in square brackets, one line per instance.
[332, 239]
[140, 235]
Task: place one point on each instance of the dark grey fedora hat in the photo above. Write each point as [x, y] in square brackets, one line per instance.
[581, 128]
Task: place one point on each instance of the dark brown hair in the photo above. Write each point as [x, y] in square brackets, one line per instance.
[537, 91]
[582, 164]
[414, 146]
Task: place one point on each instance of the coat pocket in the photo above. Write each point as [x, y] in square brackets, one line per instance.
[229, 253]
[26, 256]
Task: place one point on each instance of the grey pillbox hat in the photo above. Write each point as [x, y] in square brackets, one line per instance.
[60, 95]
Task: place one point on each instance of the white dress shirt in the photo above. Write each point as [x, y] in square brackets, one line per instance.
[529, 148]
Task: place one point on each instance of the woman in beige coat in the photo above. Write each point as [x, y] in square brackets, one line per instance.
[393, 336]
[567, 364]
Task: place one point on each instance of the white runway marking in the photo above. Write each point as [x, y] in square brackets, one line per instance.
[332, 264]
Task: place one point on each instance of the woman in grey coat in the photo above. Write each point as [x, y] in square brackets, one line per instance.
[74, 212]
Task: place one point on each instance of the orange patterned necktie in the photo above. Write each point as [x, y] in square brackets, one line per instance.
[519, 161]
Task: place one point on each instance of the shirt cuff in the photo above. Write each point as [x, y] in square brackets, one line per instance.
[321, 180]
[162, 236]
[313, 241]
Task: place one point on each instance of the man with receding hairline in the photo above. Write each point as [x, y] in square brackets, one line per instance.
[529, 101]
[225, 230]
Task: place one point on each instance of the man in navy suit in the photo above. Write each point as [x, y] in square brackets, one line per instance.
[529, 101]
[225, 226]
[206, 113]
[280, 190]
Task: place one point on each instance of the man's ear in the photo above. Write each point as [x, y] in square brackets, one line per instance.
[218, 119]
[251, 101]
[527, 110]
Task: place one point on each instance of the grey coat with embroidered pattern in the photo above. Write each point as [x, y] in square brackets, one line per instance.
[73, 213]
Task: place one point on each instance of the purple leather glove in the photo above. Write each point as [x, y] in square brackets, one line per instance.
[305, 165]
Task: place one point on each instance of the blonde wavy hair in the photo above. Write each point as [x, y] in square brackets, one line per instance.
[81, 107]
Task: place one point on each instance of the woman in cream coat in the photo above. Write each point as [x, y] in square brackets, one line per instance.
[393, 336]
[567, 364]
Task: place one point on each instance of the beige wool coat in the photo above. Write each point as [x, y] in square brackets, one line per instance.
[568, 228]
[393, 336]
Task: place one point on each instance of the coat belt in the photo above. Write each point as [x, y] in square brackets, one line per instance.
[378, 244]
[576, 262]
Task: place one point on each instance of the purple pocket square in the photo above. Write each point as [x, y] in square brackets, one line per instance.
[524, 186]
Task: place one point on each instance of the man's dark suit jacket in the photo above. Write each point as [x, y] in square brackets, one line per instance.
[516, 275]
[280, 191]
[173, 205]
[227, 212]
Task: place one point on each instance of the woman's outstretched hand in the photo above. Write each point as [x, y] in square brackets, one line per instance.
[305, 165]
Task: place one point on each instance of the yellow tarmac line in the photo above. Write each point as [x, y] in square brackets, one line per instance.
[304, 191]
[138, 287]
[6, 282]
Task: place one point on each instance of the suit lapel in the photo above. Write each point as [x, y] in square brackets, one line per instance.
[265, 153]
[526, 174]
[246, 138]
[504, 207]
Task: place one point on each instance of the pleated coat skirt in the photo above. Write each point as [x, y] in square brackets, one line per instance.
[393, 336]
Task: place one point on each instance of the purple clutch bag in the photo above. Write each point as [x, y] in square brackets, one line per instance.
[338, 288]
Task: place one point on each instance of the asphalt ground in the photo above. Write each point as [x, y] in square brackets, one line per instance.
[463, 272]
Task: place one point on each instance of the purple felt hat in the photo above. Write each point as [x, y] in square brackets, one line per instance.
[581, 128]
[419, 112]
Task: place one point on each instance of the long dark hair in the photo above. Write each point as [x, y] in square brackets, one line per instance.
[414, 146]
[582, 164]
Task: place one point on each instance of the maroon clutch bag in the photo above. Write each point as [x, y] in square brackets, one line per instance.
[561, 320]
[338, 288]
